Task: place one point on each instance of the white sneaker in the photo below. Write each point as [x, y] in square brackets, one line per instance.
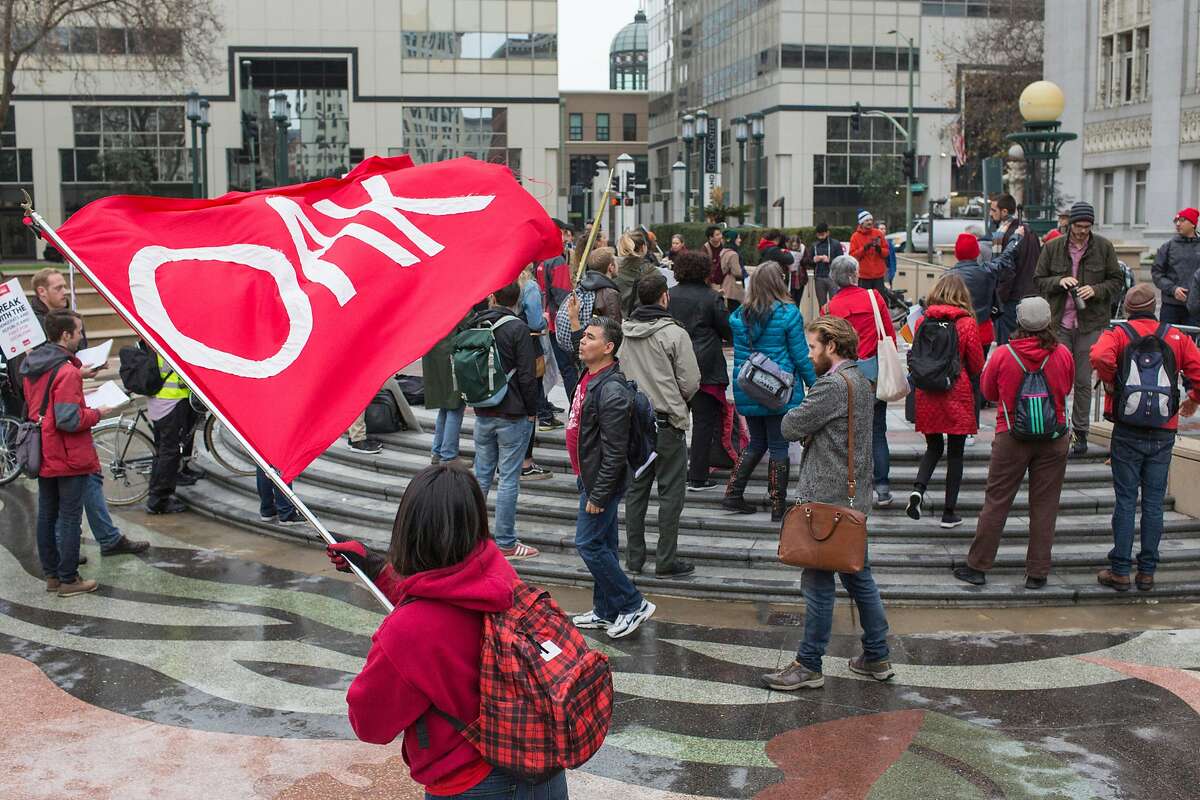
[590, 620]
[628, 623]
[970, 441]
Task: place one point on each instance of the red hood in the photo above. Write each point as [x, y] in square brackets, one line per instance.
[763, 244]
[483, 581]
[1029, 350]
[946, 312]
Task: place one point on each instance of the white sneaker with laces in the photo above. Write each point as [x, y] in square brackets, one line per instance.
[590, 619]
[628, 623]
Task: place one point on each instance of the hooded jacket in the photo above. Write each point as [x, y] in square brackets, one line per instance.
[1001, 379]
[702, 314]
[953, 412]
[517, 352]
[67, 447]
[632, 269]
[657, 353]
[426, 654]
[1106, 358]
[1175, 264]
[608, 294]
[871, 250]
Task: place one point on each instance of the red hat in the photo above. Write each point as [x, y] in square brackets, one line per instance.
[966, 247]
[1190, 214]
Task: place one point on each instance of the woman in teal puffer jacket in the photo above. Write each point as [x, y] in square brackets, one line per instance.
[771, 324]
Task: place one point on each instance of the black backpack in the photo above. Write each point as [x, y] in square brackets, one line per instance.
[1146, 391]
[139, 370]
[1035, 419]
[643, 431]
[933, 361]
[383, 415]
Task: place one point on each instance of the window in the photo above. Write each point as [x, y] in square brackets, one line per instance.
[1124, 67]
[602, 127]
[437, 133]
[629, 127]
[91, 40]
[820, 56]
[129, 144]
[848, 154]
[1108, 186]
[479, 45]
[1139, 197]
[575, 127]
[16, 166]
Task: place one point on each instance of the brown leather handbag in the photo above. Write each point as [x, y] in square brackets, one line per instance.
[825, 536]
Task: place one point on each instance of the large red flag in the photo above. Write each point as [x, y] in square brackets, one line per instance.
[289, 308]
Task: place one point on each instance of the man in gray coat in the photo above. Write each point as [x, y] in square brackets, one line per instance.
[822, 424]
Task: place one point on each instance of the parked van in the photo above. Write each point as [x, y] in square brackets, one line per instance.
[945, 232]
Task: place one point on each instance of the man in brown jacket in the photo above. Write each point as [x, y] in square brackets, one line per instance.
[726, 271]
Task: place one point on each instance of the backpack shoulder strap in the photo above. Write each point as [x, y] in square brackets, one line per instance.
[498, 323]
[1163, 329]
[1017, 358]
[1130, 332]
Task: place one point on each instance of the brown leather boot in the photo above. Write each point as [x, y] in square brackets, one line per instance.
[735, 490]
[777, 483]
[1144, 582]
[1106, 577]
[77, 586]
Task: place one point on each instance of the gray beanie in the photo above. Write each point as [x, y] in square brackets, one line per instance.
[1083, 212]
[1033, 314]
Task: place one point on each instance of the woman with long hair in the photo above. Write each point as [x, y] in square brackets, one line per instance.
[947, 418]
[1031, 348]
[631, 257]
[443, 572]
[771, 324]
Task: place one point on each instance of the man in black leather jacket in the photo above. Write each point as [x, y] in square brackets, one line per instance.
[598, 444]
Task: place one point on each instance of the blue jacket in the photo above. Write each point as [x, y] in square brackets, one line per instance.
[891, 264]
[781, 340]
[531, 307]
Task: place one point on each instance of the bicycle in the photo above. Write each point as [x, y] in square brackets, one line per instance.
[127, 454]
[9, 424]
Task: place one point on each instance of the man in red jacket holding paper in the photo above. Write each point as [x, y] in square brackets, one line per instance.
[1145, 420]
[868, 245]
[53, 386]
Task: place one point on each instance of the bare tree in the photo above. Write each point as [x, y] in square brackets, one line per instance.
[171, 39]
[992, 64]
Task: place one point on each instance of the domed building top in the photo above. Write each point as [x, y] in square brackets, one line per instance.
[628, 65]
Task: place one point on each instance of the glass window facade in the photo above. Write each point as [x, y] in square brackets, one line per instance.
[437, 133]
[825, 56]
[479, 45]
[16, 165]
[92, 40]
[972, 8]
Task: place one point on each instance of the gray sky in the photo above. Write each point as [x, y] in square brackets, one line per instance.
[585, 30]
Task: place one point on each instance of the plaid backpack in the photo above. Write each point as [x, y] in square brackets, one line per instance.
[546, 699]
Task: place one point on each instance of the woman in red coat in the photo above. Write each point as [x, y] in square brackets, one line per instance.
[948, 416]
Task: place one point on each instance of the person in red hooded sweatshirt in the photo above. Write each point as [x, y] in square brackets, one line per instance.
[1032, 347]
[443, 572]
[948, 418]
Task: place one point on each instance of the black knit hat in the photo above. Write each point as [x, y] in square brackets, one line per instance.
[1083, 212]
[822, 227]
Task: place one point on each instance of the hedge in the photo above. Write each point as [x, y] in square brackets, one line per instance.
[693, 236]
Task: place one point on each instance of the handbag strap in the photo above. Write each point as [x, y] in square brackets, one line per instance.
[879, 331]
[851, 485]
[49, 389]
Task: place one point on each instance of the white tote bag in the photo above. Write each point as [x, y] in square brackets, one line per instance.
[892, 384]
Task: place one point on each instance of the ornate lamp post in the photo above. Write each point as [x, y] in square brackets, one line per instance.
[279, 113]
[193, 114]
[1041, 105]
[252, 127]
[204, 125]
[702, 139]
[689, 136]
[758, 132]
[741, 132]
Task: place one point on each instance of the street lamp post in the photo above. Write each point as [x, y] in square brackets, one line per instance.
[912, 147]
[1041, 105]
[193, 115]
[204, 125]
[689, 136]
[252, 130]
[758, 132]
[702, 141]
[741, 132]
[279, 113]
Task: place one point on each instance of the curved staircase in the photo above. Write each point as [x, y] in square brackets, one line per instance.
[357, 494]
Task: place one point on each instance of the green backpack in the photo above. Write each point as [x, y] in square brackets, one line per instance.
[478, 371]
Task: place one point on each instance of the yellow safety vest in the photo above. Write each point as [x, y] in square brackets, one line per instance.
[173, 388]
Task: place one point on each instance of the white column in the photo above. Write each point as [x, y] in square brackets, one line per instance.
[678, 172]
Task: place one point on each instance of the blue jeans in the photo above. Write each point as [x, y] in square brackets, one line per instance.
[818, 590]
[765, 434]
[881, 453]
[96, 507]
[566, 368]
[500, 443]
[445, 433]
[271, 501]
[1141, 460]
[596, 540]
[500, 785]
[60, 524]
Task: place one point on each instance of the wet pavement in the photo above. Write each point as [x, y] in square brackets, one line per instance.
[215, 665]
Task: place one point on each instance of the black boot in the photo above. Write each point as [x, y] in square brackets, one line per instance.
[777, 483]
[735, 490]
[1079, 445]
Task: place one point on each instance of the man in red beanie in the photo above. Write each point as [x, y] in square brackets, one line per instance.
[981, 279]
[1174, 267]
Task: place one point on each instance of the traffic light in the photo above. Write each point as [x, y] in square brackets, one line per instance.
[614, 201]
[856, 118]
[909, 164]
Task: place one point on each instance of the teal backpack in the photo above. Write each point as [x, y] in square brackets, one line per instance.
[478, 371]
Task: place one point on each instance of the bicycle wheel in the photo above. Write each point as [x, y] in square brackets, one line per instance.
[9, 470]
[126, 460]
[225, 449]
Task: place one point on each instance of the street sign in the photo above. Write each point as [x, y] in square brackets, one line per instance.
[712, 159]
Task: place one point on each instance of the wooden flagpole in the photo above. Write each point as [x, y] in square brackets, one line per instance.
[52, 235]
[587, 248]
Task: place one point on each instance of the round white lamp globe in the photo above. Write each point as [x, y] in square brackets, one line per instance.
[1042, 101]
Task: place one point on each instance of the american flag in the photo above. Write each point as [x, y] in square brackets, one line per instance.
[958, 141]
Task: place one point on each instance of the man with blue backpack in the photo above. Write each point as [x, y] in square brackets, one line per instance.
[1139, 362]
[495, 371]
